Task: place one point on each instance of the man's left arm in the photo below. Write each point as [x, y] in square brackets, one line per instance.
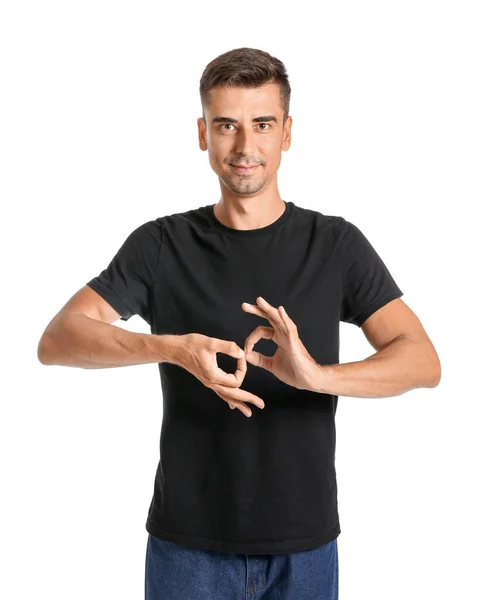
[405, 358]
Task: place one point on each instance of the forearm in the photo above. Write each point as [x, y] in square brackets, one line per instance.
[403, 365]
[76, 340]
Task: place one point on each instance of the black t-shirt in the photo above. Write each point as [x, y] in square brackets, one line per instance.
[264, 484]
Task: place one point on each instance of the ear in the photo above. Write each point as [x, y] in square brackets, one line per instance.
[202, 134]
[286, 138]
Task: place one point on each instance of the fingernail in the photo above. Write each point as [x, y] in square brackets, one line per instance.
[241, 353]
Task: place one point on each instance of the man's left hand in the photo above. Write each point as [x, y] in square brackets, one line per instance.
[291, 363]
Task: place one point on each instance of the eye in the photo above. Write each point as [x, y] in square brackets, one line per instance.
[225, 124]
[268, 126]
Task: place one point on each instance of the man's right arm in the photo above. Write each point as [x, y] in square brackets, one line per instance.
[81, 335]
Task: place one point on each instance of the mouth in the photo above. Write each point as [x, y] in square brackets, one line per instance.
[243, 169]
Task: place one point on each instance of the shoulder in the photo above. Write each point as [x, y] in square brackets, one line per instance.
[180, 223]
[334, 226]
[310, 214]
[148, 233]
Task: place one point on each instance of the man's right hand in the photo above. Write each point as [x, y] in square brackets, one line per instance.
[198, 355]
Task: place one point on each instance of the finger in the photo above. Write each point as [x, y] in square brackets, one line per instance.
[259, 311]
[228, 347]
[244, 409]
[260, 360]
[235, 404]
[260, 332]
[219, 375]
[238, 394]
[241, 369]
[272, 311]
[229, 379]
[256, 358]
[288, 322]
[239, 405]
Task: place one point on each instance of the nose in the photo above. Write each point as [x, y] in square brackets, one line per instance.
[245, 142]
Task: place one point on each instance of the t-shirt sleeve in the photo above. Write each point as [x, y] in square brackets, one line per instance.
[367, 283]
[127, 282]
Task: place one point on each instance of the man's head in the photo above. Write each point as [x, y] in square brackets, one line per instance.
[245, 96]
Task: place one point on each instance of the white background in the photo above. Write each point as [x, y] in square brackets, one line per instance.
[99, 103]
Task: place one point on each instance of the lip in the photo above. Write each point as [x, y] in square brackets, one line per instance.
[243, 169]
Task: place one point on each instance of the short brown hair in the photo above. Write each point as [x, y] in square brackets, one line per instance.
[245, 67]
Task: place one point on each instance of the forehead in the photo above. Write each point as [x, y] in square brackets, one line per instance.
[237, 101]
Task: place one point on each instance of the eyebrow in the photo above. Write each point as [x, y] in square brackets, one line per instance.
[232, 120]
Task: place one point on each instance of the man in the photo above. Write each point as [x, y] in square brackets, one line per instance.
[246, 507]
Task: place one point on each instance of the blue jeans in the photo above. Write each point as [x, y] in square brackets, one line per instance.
[175, 572]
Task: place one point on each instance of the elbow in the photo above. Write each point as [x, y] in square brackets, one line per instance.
[431, 370]
[44, 350]
[436, 371]
[436, 381]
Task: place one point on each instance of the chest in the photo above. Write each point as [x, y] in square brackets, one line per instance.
[200, 288]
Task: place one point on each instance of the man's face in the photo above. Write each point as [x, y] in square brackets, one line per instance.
[244, 127]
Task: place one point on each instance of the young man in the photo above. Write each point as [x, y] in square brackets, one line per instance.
[245, 503]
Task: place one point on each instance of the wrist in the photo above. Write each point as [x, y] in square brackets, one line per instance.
[171, 348]
[319, 379]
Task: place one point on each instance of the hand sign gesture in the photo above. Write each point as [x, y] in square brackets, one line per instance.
[291, 363]
[198, 355]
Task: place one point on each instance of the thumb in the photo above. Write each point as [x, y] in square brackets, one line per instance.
[259, 360]
[230, 348]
